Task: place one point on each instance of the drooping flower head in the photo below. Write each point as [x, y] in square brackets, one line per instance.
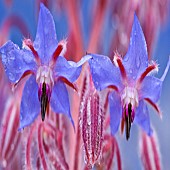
[131, 81]
[49, 70]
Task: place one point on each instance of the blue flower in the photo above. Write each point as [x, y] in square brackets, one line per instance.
[131, 81]
[48, 70]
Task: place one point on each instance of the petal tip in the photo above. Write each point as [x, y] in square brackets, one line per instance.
[42, 6]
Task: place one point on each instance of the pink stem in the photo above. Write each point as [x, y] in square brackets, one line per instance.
[111, 155]
[42, 156]
[60, 154]
[28, 148]
[77, 149]
[119, 162]
[4, 129]
[14, 134]
[145, 154]
[155, 154]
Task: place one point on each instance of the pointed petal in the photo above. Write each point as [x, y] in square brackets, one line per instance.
[136, 59]
[46, 40]
[142, 117]
[115, 111]
[151, 88]
[69, 69]
[30, 105]
[104, 73]
[16, 61]
[60, 100]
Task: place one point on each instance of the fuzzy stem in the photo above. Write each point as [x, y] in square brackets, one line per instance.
[60, 154]
[77, 149]
[42, 156]
[119, 164]
[111, 155]
[14, 134]
[4, 129]
[28, 148]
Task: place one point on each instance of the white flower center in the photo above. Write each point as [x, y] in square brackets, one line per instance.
[45, 75]
[130, 95]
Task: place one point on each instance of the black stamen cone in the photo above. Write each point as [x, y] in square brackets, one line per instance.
[44, 101]
[128, 121]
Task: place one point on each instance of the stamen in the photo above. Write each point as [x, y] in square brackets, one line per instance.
[118, 62]
[28, 43]
[150, 68]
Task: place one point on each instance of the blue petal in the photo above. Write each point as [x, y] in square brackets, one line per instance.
[115, 111]
[104, 73]
[16, 61]
[142, 117]
[60, 100]
[69, 69]
[136, 59]
[46, 40]
[151, 88]
[30, 105]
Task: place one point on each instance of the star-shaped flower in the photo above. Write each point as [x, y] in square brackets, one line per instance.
[131, 81]
[49, 71]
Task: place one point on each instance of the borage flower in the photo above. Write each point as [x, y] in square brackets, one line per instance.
[131, 82]
[49, 71]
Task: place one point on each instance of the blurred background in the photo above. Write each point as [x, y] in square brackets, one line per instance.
[103, 26]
